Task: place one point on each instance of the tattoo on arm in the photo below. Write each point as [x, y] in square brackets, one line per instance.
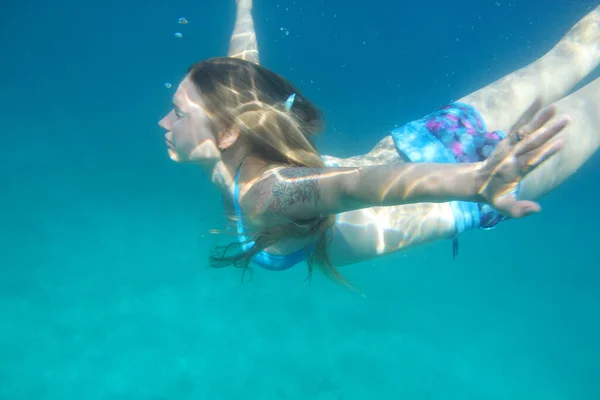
[290, 186]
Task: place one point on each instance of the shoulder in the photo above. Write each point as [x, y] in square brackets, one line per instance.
[255, 181]
[273, 196]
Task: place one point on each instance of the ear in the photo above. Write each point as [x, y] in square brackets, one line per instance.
[228, 138]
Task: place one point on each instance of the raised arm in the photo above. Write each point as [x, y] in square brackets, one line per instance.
[243, 42]
[306, 193]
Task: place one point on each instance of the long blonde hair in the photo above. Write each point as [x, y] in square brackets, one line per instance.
[250, 97]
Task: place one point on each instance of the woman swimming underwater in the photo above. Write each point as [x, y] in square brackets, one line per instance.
[470, 164]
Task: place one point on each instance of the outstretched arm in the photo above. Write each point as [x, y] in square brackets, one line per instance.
[243, 40]
[306, 193]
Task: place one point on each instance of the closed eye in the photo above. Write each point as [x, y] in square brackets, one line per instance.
[177, 111]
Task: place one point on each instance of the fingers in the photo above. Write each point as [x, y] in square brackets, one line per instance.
[544, 116]
[535, 158]
[524, 208]
[540, 137]
[509, 206]
[527, 115]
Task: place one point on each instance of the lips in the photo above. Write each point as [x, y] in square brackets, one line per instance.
[170, 144]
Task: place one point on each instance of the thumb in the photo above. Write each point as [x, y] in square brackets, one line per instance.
[524, 208]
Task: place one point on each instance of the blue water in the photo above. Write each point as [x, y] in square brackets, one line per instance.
[104, 287]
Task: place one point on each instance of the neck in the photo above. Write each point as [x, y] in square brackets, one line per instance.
[223, 171]
[222, 177]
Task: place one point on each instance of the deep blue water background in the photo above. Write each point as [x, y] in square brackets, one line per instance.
[104, 287]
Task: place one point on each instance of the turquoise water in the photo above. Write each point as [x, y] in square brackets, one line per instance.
[105, 291]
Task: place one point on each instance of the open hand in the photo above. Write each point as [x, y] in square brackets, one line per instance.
[527, 146]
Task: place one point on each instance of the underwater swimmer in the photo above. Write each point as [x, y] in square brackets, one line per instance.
[251, 130]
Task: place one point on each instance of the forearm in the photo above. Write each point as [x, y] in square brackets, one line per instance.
[406, 183]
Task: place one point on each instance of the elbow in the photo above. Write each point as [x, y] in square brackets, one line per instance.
[356, 191]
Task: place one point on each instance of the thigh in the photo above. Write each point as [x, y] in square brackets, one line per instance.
[581, 141]
[550, 78]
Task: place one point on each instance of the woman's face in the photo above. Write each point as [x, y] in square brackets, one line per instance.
[189, 136]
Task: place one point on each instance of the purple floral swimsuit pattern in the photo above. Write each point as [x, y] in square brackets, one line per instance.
[455, 133]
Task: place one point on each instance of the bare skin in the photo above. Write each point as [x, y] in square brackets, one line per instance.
[369, 229]
[550, 78]
[284, 190]
[243, 40]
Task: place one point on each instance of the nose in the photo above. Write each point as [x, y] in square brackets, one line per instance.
[165, 122]
[162, 123]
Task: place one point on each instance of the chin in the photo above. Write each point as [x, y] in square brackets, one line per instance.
[173, 155]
